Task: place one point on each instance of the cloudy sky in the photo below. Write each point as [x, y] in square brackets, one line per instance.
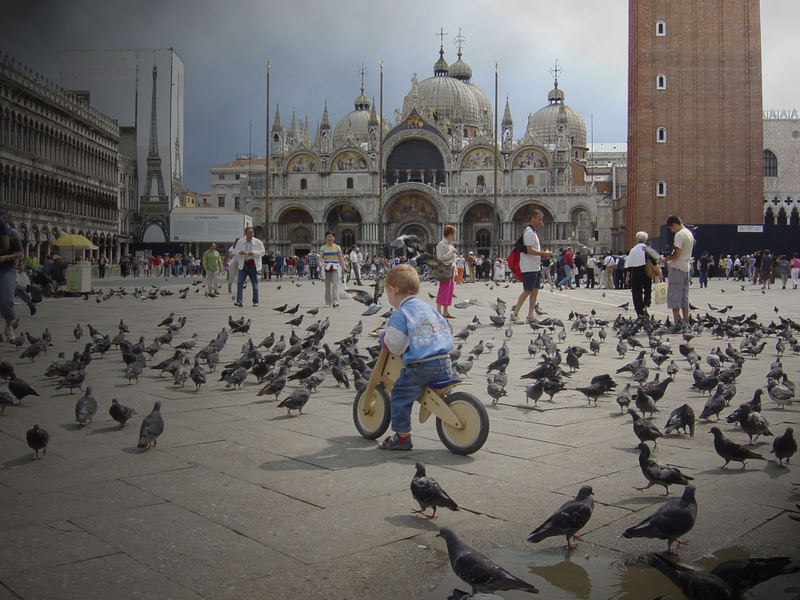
[317, 48]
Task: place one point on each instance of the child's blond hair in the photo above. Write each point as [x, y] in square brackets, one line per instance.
[404, 278]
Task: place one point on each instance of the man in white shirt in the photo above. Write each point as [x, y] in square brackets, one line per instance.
[678, 278]
[530, 263]
[247, 254]
[356, 259]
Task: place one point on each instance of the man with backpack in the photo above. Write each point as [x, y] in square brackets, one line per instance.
[530, 265]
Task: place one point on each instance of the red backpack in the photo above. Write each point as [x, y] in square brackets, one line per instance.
[513, 259]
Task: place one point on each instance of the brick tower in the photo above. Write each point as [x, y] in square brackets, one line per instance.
[694, 114]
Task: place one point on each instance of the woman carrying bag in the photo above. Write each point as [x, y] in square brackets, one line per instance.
[639, 276]
[446, 254]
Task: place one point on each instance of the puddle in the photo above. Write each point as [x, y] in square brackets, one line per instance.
[585, 575]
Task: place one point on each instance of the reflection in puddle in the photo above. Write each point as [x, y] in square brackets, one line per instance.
[584, 575]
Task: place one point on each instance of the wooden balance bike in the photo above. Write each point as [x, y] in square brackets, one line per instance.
[462, 422]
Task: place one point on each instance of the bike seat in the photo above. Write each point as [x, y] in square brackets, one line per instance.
[437, 385]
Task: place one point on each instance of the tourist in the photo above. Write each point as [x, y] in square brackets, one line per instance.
[356, 258]
[212, 263]
[248, 252]
[678, 276]
[530, 263]
[636, 274]
[332, 266]
[446, 254]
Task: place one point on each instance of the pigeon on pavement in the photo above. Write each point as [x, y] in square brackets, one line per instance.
[784, 446]
[658, 473]
[644, 430]
[428, 493]
[478, 570]
[570, 518]
[296, 400]
[37, 439]
[152, 427]
[730, 450]
[120, 413]
[85, 407]
[669, 522]
[681, 418]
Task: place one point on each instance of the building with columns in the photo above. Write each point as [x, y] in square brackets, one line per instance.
[59, 163]
[782, 168]
[438, 168]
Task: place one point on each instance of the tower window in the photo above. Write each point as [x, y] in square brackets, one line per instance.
[770, 164]
[661, 135]
[221, 201]
[349, 183]
[661, 28]
[303, 184]
[661, 82]
[661, 188]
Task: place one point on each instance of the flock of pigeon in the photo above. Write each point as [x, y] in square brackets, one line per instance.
[302, 356]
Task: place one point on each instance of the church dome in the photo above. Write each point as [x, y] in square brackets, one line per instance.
[454, 99]
[543, 123]
[353, 128]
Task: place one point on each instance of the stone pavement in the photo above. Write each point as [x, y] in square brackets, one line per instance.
[240, 501]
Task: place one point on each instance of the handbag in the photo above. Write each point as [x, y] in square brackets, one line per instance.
[440, 271]
[660, 292]
[653, 271]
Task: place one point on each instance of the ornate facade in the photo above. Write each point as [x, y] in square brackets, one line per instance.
[782, 168]
[438, 168]
[58, 163]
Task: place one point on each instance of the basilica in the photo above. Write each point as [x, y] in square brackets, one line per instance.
[438, 167]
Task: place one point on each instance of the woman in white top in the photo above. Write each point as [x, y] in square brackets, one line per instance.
[446, 254]
[636, 277]
[499, 269]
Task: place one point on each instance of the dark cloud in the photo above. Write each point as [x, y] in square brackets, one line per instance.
[317, 47]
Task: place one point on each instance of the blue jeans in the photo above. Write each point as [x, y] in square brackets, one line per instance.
[567, 277]
[244, 273]
[8, 283]
[410, 385]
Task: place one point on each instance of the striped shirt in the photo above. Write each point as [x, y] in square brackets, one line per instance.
[330, 254]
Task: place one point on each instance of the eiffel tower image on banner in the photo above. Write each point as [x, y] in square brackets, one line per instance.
[154, 205]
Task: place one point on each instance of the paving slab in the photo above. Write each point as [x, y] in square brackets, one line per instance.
[237, 500]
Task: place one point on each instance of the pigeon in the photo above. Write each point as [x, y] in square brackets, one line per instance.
[744, 574]
[713, 405]
[645, 402]
[730, 450]
[188, 344]
[152, 427]
[753, 423]
[570, 518]
[593, 391]
[695, 584]
[784, 446]
[624, 397]
[658, 473]
[645, 431]
[496, 392]
[37, 439]
[197, 375]
[6, 399]
[120, 413]
[534, 392]
[681, 418]
[669, 522]
[478, 570]
[85, 407]
[78, 332]
[754, 404]
[20, 388]
[296, 400]
[428, 493]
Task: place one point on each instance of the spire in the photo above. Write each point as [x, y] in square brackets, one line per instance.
[325, 123]
[306, 133]
[373, 116]
[555, 95]
[440, 68]
[507, 122]
[153, 149]
[293, 128]
[276, 125]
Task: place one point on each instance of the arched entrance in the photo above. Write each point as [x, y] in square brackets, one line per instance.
[478, 231]
[549, 229]
[297, 225]
[412, 210]
[344, 221]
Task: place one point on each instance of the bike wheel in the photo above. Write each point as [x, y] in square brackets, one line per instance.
[374, 424]
[473, 415]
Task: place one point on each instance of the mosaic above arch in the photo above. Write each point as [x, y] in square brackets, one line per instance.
[530, 159]
[303, 163]
[411, 205]
[349, 161]
[477, 158]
